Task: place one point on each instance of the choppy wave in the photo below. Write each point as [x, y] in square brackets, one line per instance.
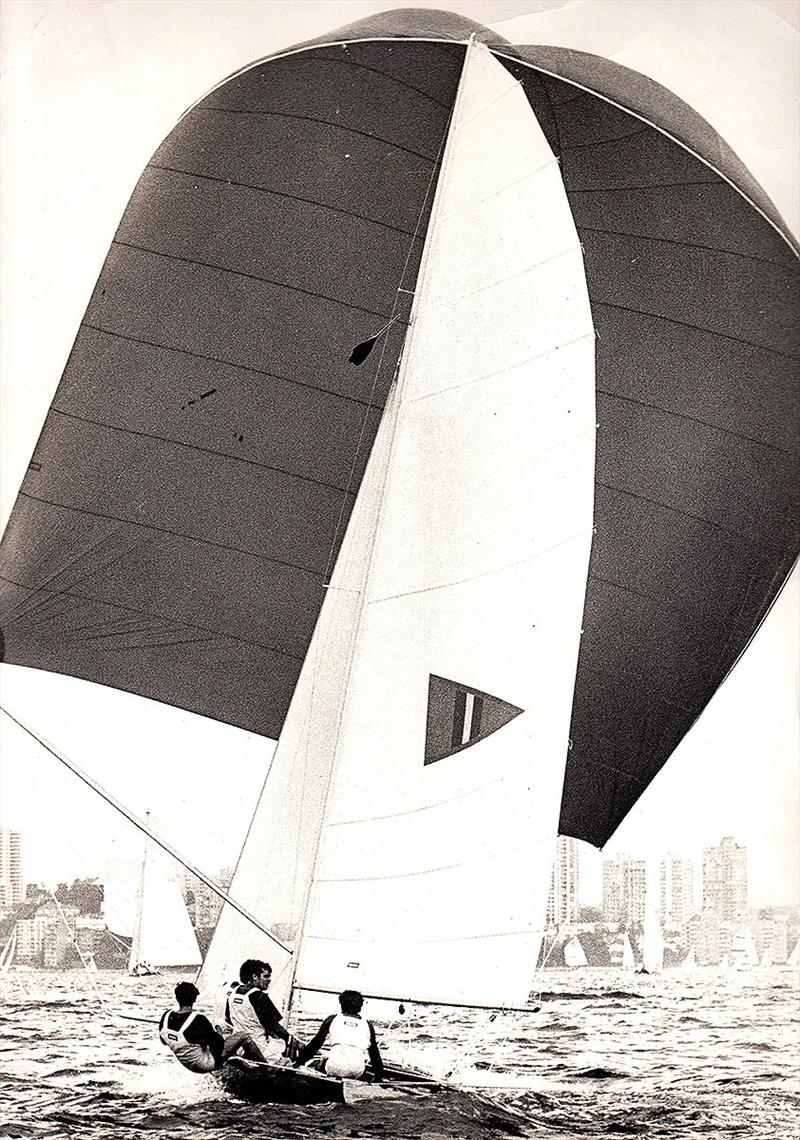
[705, 1055]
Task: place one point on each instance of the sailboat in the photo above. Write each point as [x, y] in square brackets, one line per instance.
[393, 538]
[163, 934]
[574, 954]
[8, 951]
[652, 934]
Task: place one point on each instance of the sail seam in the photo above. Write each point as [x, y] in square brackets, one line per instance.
[283, 194]
[219, 634]
[761, 540]
[322, 122]
[483, 574]
[465, 209]
[429, 807]
[174, 533]
[246, 276]
[502, 371]
[687, 244]
[698, 328]
[696, 420]
[373, 70]
[202, 450]
[487, 858]
[691, 631]
[605, 142]
[232, 364]
[456, 297]
[524, 932]
[656, 186]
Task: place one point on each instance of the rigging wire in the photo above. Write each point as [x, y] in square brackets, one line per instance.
[143, 827]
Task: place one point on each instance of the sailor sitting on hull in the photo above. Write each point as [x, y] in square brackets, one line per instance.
[351, 1038]
[191, 1036]
[251, 1012]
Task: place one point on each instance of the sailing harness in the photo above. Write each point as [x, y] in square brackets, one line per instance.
[198, 1058]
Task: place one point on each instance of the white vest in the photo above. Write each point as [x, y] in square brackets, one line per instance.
[198, 1058]
[242, 1014]
[244, 1017]
[349, 1038]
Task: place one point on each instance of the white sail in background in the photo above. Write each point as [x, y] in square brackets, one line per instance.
[7, 954]
[628, 958]
[463, 571]
[652, 934]
[794, 957]
[574, 953]
[163, 935]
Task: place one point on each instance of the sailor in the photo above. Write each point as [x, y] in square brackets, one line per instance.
[191, 1036]
[250, 1011]
[351, 1038]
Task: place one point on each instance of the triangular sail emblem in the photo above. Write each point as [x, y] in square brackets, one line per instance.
[459, 716]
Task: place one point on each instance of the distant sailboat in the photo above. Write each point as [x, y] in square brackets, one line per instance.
[8, 951]
[794, 957]
[652, 936]
[574, 954]
[163, 934]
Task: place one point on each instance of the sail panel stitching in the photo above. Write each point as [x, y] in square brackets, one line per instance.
[696, 420]
[322, 122]
[218, 634]
[760, 540]
[232, 364]
[202, 450]
[283, 194]
[173, 533]
[579, 535]
[508, 368]
[687, 244]
[246, 276]
[698, 328]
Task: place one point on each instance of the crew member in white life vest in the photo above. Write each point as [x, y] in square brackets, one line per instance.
[351, 1038]
[251, 1012]
[191, 1036]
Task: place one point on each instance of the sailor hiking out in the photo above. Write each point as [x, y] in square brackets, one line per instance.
[251, 1013]
[191, 1036]
[351, 1039]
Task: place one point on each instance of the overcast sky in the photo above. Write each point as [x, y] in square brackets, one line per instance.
[88, 92]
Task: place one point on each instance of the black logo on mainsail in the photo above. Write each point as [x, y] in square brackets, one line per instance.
[459, 716]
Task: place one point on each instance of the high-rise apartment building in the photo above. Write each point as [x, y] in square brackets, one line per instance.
[11, 886]
[676, 891]
[562, 903]
[624, 889]
[725, 880]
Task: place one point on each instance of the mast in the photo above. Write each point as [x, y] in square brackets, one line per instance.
[136, 941]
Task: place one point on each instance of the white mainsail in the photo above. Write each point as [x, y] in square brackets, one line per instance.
[390, 867]
[163, 934]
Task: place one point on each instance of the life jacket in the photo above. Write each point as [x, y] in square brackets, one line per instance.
[349, 1039]
[240, 1008]
[198, 1058]
[244, 1017]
